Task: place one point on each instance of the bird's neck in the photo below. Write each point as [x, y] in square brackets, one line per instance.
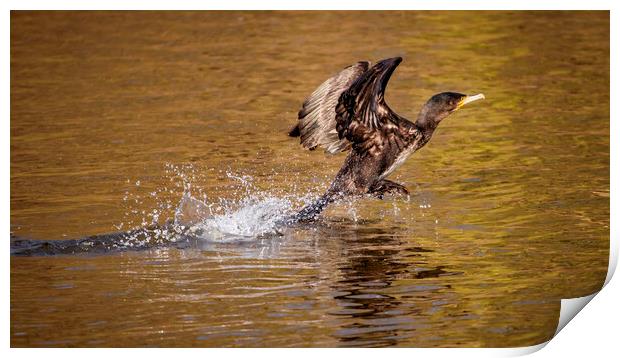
[426, 122]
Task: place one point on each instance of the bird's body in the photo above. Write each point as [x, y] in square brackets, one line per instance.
[348, 112]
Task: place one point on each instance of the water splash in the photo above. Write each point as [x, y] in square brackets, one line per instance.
[249, 214]
[255, 217]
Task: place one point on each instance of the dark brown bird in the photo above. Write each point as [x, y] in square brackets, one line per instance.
[348, 112]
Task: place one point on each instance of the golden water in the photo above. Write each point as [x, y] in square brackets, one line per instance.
[510, 200]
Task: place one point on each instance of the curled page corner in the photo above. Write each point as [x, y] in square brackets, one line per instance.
[569, 309]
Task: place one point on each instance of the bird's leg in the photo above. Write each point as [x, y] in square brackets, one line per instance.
[383, 187]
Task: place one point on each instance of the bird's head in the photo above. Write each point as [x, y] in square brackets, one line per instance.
[442, 105]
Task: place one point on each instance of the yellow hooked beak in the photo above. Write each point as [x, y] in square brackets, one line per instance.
[469, 99]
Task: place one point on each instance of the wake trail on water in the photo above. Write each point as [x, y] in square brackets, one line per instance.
[252, 213]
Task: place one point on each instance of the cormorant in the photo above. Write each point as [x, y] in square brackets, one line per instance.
[348, 112]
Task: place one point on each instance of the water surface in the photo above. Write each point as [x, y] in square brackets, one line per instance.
[118, 116]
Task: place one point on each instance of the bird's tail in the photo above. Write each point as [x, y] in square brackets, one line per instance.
[312, 211]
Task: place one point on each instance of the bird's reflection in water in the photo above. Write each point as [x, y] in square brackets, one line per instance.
[374, 311]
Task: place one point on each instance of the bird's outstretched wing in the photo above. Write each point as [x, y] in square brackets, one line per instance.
[317, 117]
[362, 116]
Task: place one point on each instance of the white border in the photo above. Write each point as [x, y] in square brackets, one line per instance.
[310, 5]
[596, 324]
